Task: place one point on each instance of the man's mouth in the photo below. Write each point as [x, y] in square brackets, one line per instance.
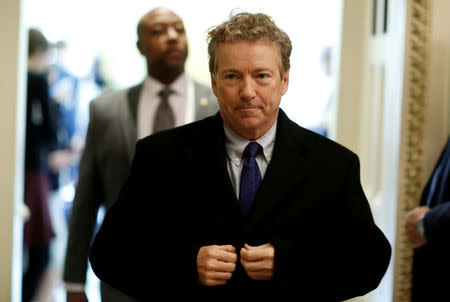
[174, 52]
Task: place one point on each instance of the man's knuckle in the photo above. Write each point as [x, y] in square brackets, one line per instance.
[209, 264]
[209, 253]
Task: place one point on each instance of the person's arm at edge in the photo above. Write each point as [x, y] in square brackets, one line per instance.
[84, 212]
[437, 224]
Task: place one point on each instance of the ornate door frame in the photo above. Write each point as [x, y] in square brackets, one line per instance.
[424, 119]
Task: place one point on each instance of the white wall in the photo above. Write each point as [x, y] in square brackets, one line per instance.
[108, 28]
[12, 125]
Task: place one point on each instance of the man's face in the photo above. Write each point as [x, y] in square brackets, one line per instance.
[162, 39]
[249, 86]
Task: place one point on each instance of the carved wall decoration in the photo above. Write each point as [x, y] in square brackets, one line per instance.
[411, 154]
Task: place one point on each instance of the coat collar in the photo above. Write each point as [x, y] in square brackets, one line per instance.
[290, 163]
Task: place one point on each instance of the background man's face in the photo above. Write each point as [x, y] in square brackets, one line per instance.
[162, 39]
[249, 86]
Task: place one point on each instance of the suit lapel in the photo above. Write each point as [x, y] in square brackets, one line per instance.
[128, 113]
[203, 98]
[128, 119]
[289, 165]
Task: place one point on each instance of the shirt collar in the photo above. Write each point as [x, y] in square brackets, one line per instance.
[236, 144]
[154, 86]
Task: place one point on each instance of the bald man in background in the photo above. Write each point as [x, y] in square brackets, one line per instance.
[167, 98]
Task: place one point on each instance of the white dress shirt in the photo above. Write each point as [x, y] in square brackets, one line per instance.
[235, 145]
[181, 101]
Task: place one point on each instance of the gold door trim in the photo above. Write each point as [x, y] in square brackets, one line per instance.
[411, 151]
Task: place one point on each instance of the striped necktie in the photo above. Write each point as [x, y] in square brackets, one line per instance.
[164, 116]
[250, 177]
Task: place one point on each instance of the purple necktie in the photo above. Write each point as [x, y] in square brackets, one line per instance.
[250, 177]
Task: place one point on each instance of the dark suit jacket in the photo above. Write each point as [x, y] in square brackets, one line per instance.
[41, 129]
[104, 166]
[179, 197]
[431, 269]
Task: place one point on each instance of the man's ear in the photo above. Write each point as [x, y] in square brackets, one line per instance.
[285, 83]
[140, 47]
[213, 84]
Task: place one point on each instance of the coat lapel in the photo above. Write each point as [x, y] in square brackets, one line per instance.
[215, 168]
[205, 102]
[201, 103]
[128, 119]
[289, 165]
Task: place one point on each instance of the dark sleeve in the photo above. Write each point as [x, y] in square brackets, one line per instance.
[137, 250]
[41, 127]
[437, 219]
[116, 247]
[343, 260]
[88, 197]
[50, 115]
[437, 224]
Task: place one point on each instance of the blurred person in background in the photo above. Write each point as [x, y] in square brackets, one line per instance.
[63, 163]
[168, 97]
[41, 134]
[325, 94]
[428, 231]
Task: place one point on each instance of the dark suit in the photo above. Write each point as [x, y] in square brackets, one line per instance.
[104, 167]
[431, 269]
[41, 133]
[179, 197]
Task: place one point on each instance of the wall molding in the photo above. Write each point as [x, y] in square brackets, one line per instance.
[411, 168]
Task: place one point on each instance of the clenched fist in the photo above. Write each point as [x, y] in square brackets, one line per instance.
[258, 261]
[216, 264]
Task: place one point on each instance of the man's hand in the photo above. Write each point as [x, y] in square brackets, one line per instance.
[411, 219]
[258, 261]
[216, 264]
[76, 297]
[60, 159]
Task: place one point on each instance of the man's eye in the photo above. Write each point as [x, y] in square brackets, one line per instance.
[179, 29]
[262, 75]
[230, 77]
[158, 31]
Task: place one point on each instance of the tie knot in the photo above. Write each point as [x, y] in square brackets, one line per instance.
[164, 93]
[252, 149]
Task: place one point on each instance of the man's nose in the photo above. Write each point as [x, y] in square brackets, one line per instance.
[248, 89]
[172, 33]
